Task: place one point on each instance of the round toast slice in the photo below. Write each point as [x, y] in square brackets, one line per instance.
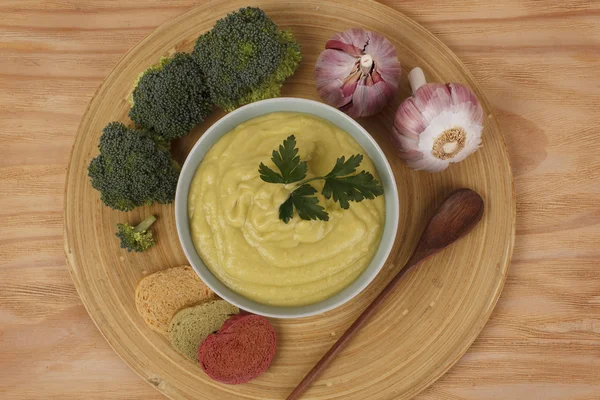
[190, 326]
[160, 295]
[240, 352]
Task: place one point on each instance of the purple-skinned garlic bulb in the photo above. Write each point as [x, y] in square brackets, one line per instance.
[357, 72]
[438, 125]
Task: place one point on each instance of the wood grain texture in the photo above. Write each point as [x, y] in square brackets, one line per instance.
[407, 351]
[538, 64]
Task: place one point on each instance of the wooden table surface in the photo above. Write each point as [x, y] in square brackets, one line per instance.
[538, 62]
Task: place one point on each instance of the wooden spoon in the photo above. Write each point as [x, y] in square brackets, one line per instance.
[461, 211]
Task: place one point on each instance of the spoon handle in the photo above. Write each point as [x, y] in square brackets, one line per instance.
[351, 331]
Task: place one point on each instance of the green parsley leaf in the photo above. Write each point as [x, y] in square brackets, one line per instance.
[352, 188]
[289, 164]
[343, 167]
[268, 175]
[286, 210]
[305, 203]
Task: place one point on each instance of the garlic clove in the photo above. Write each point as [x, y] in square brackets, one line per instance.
[350, 83]
[347, 48]
[432, 99]
[384, 56]
[409, 119]
[405, 142]
[330, 67]
[463, 97]
[354, 39]
[357, 72]
[368, 100]
[440, 124]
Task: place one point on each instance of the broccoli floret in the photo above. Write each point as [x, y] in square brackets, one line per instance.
[134, 167]
[170, 97]
[136, 238]
[245, 58]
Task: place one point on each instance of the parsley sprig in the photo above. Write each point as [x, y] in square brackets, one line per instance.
[289, 164]
[339, 183]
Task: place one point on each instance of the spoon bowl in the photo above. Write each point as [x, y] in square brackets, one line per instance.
[459, 213]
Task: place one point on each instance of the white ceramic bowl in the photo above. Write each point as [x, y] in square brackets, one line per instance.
[226, 124]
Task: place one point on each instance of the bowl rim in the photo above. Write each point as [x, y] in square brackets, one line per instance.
[264, 107]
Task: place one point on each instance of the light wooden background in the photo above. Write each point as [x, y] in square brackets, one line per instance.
[538, 62]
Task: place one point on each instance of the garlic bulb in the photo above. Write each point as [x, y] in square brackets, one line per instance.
[438, 125]
[357, 72]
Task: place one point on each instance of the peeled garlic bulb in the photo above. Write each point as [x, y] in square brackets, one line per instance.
[357, 72]
[440, 124]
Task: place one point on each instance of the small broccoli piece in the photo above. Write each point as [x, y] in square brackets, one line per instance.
[170, 97]
[135, 167]
[136, 238]
[245, 58]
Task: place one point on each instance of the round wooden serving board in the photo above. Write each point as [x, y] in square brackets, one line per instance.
[419, 333]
